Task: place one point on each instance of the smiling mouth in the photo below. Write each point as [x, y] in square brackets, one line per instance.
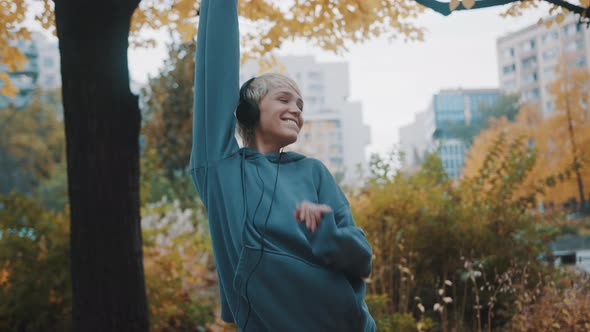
[292, 121]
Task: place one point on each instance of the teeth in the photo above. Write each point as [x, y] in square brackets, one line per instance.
[289, 120]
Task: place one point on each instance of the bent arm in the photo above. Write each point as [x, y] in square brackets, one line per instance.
[216, 82]
[340, 244]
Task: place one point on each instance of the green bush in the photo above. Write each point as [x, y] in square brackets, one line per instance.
[35, 284]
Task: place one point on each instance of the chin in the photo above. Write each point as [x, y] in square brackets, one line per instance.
[289, 140]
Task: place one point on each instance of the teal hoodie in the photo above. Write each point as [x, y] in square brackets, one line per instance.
[274, 274]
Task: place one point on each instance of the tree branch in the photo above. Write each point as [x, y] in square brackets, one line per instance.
[443, 7]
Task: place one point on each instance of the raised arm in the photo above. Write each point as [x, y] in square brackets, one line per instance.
[216, 82]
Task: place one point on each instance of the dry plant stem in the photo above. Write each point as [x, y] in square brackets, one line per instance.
[445, 324]
[477, 302]
[455, 323]
[464, 302]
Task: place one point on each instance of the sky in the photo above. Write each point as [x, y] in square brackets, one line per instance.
[395, 80]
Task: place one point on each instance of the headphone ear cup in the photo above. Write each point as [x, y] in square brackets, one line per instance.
[247, 113]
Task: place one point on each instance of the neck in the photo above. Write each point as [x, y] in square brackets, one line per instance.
[264, 147]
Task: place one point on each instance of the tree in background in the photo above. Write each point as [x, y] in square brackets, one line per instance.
[32, 143]
[561, 141]
[568, 129]
[35, 281]
[167, 127]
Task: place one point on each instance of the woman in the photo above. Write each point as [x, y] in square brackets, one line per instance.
[289, 256]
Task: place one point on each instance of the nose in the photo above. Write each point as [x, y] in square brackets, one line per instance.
[294, 109]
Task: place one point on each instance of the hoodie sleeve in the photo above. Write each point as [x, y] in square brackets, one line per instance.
[338, 242]
[216, 82]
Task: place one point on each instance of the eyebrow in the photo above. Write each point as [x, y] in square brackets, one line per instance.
[290, 94]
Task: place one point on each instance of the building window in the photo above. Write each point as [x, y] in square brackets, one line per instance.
[529, 62]
[508, 53]
[580, 44]
[548, 73]
[529, 45]
[530, 78]
[335, 123]
[314, 75]
[549, 105]
[551, 53]
[572, 29]
[509, 85]
[581, 62]
[575, 45]
[532, 94]
[549, 37]
[336, 161]
[316, 88]
[509, 68]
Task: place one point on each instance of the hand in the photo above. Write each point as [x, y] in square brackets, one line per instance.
[311, 214]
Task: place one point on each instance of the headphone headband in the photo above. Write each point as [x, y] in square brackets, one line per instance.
[244, 88]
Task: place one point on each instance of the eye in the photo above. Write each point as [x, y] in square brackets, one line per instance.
[284, 101]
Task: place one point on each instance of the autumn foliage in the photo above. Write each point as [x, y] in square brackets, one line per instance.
[437, 242]
[559, 141]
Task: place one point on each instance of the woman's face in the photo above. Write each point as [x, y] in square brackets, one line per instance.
[280, 117]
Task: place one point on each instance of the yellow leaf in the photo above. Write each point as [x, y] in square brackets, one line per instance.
[540, 21]
[559, 18]
[585, 3]
[453, 4]
[468, 3]
[548, 23]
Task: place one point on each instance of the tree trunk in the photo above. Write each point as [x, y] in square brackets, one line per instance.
[570, 127]
[102, 122]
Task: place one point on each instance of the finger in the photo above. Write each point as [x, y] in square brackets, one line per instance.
[318, 218]
[302, 212]
[315, 224]
[309, 217]
[318, 215]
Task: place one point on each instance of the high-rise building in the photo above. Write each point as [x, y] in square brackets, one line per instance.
[333, 131]
[416, 139]
[23, 79]
[432, 129]
[48, 60]
[527, 58]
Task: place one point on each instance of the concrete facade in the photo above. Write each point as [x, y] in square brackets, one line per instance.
[527, 58]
